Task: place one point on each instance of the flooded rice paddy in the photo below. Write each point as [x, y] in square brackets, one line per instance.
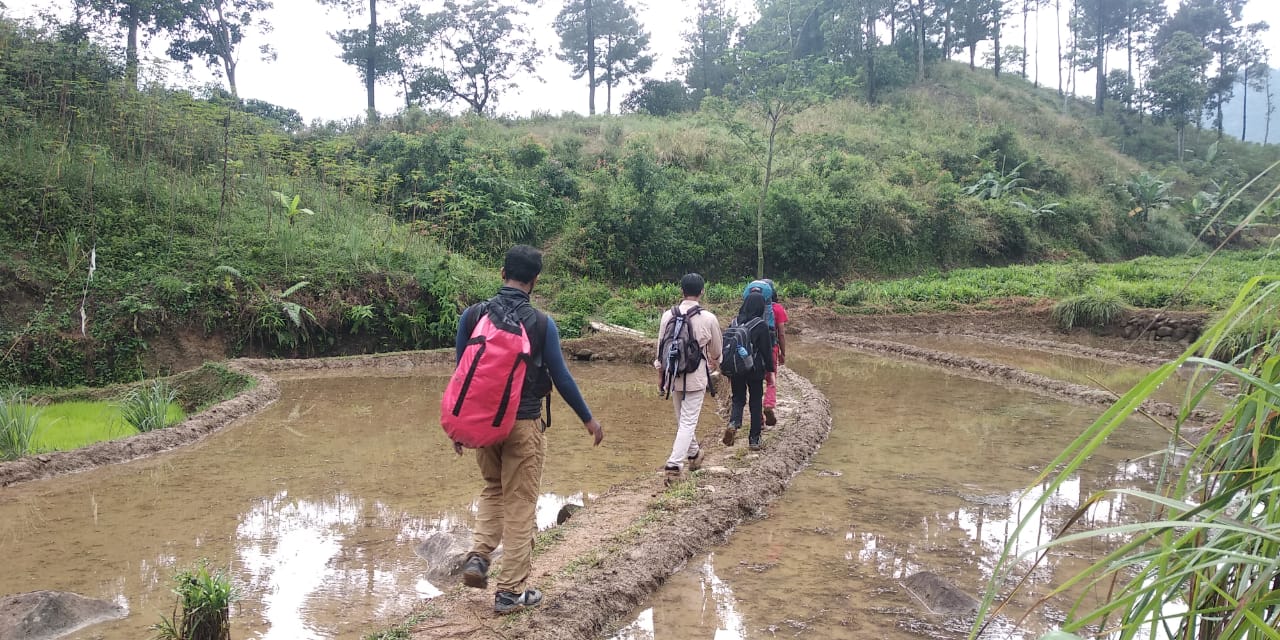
[922, 472]
[315, 504]
[1110, 376]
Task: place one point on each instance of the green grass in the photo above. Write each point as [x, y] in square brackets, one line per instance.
[1150, 282]
[70, 425]
[19, 422]
[1095, 309]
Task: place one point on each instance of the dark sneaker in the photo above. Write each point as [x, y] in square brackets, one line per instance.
[508, 601]
[769, 418]
[730, 433]
[672, 475]
[695, 461]
[754, 446]
[475, 572]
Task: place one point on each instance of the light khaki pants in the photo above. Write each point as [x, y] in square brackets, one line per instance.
[512, 472]
[688, 406]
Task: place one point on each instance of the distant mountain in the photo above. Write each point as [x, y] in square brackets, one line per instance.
[1233, 116]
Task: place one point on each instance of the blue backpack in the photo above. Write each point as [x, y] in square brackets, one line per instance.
[766, 290]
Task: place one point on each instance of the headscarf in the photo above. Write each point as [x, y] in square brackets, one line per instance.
[752, 307]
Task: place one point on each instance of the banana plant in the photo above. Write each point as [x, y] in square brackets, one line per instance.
[291, 208]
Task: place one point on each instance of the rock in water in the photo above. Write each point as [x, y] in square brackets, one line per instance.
[939, 596]
[45, 615]
[567, 512]
[446, 551]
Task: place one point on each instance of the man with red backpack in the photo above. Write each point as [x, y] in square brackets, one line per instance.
[502, 345]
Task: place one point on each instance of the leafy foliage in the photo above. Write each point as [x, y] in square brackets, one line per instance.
[148, 407]
[203, 608]
[18, 423]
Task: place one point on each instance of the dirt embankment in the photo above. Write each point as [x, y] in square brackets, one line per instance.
[1025, 323]
[624, 545]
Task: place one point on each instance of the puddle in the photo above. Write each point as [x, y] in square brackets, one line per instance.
[1091, 372]
[316, 504]
[922, 472]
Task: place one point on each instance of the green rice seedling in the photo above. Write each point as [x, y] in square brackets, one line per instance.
[203, 608]
[147, 407]
[18, 421]
[1096, 309]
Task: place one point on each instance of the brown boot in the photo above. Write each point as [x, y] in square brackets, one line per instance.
[769, 418]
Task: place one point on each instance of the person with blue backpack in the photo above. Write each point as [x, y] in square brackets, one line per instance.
[747, 359]
[509, 359]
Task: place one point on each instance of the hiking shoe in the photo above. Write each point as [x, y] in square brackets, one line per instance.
[769, 418]
[475, 572]
[695, 461]
[508, 601]
[754, 446]
[672, 475]
[730, 433]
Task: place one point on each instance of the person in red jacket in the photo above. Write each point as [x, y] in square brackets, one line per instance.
[779, 357]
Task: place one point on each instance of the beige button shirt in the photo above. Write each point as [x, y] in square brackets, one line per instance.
[706, 330]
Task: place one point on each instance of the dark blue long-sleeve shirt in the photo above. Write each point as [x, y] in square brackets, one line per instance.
[552, 357]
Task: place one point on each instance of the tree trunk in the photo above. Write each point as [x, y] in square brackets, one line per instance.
[871, 57]
[1025, 11]
[918, 10]
[774, 119]
[229, 64]
[1035, 60]
[371, 71]
[1244, 108]
[608, 75]
[973, 52]
[591, 59]
[946, 34]
[1099, 63]
[996, 33]
[1057, 7]
[131, 49]
[1271, 108]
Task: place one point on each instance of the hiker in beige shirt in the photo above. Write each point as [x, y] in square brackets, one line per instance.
[688, 389]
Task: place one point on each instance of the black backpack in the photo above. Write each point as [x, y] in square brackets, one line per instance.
[738, 356]
[679, 348]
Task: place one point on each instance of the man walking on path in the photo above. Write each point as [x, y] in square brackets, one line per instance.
[779, 356]
[512, 469]
[688, 388]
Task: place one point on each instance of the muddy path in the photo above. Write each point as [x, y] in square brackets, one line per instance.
[618, 550]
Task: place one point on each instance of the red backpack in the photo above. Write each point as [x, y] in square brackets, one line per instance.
[480, 403]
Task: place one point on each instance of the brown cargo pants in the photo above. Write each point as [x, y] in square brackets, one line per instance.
[512, 471]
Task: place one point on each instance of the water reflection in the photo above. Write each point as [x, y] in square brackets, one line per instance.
[316, 505]
[922, 472]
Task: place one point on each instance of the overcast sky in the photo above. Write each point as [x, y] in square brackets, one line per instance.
[308, 76]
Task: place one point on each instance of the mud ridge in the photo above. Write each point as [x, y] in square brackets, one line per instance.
[1064, 348]
[623, 580]
[990, 371]
[191, 430]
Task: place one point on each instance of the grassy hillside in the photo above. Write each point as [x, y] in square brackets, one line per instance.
[172, 200]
